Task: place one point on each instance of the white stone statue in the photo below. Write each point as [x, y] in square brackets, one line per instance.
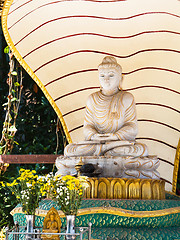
[110, 129]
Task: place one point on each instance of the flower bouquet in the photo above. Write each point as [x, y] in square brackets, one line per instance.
[27, 189]
[68, 191]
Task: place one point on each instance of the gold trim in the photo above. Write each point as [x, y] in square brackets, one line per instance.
[125, 188]
[9, 41]
[176, 168]
[110, 210]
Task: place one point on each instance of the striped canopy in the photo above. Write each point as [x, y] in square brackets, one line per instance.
[60, 44]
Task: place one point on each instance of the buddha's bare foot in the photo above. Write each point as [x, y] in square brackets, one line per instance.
[111, 145]
[134, 150]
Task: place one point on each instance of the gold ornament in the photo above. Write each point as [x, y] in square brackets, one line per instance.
[123, 188]
[52, 224]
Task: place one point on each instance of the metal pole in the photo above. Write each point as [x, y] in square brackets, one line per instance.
[17, 230]
[7, 232]
[89, 231]
[81, 233]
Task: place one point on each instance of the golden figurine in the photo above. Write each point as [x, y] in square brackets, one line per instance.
[52, 224]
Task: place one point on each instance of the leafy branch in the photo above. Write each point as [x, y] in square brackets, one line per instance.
[11, 107]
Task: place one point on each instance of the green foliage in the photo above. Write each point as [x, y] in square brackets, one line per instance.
[67, 191]
[7, 200]
[36, 123]
[36, 130]
[28, 188]
[11, 107]
[6, 49]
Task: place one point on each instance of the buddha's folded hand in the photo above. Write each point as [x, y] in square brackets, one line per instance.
[104, 137]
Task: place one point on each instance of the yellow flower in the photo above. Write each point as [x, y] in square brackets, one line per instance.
[21, 170]
[9, 184]
[2, 235]
[23, 174]
[70, 187]
[39, 181]
[76, 181]
[33, 183]
[58, 176]
[67, 177]
[14, 183]
[2, 183]
[21, 178]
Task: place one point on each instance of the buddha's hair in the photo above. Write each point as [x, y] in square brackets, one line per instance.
[110, 62]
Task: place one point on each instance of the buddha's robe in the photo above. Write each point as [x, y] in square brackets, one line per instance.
[114, 114]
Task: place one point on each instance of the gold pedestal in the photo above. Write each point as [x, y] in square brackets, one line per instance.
[122, 188]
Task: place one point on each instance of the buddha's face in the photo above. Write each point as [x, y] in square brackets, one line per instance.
[109, 78]
[52, 217]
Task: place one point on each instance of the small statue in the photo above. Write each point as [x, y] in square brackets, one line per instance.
[52, 224]
[110, 129]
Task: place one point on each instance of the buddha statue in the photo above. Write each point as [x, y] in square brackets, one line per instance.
[51, 224]
[110, 129]
[110, 124]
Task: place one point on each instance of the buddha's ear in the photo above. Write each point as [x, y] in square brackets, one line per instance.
[122, 78]
[121, 81]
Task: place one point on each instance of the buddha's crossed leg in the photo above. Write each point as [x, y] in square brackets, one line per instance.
[113, 148]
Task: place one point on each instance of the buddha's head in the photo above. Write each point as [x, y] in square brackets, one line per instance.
[110, 74]
[52, 217]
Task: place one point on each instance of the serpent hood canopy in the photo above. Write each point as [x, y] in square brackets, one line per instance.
[61, 43]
